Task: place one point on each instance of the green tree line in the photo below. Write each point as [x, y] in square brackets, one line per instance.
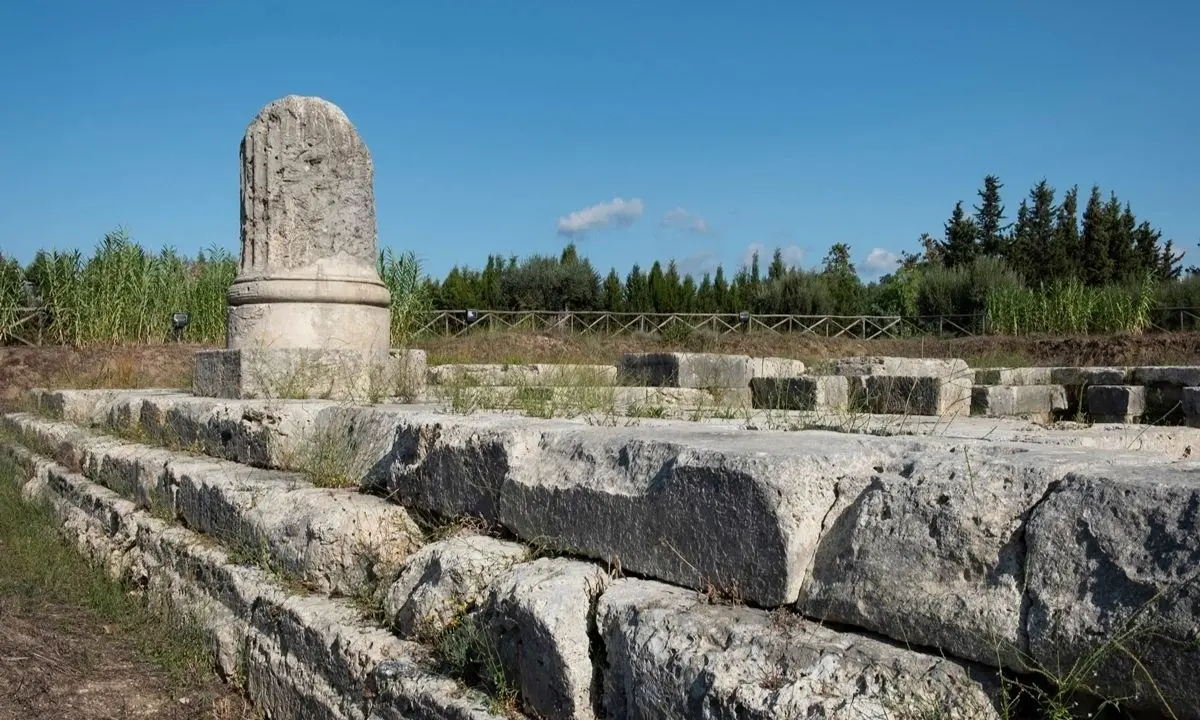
[1107, 268]
[1050, 268]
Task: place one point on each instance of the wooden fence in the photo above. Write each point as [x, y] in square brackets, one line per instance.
[19, 325]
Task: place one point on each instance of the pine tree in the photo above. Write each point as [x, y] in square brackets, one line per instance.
[959, 248]
[656, 289]
[989, 218]
[673, 288]
[777, 268]
[614, 300]
[685, 300]
[1019, 246]
[1044, 261]
[1121, 225]
[1169, 267]
[1066, 233]
[704, 295]
[1097, 267]
[721, 299]
[1145, 248]
[637, 295]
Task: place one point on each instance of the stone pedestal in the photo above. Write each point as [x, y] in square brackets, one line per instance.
[308, 313]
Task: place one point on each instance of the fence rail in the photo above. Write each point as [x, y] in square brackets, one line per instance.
[25, 324]
[863, 327]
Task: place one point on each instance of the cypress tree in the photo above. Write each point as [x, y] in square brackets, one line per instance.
[1066, 233]
[1019, 247]
[777, 269]
[989, 218]
[721, 299]
[1145, 248]
[637, 297]
[1121, 251]
[614, 300]
[1097, 267]
[1044, 260]
[959, 248]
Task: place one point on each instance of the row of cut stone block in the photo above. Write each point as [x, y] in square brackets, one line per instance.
[970, 547]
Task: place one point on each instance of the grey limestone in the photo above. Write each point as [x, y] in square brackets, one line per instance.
[776, 367]
[1040, 402]
[812, 392]
[687, 370]
[1116, 403]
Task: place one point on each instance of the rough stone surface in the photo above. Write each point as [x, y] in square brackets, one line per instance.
[814, 392]
[335, 541]
[1033, 401]
[541, 616]
[1084, 376]
[548, 401]
[516, 375]
[1190, 404]
[1115, 403]
[902, 367]
[302, 373]
[298, 655]
[687, 370]
[774, 367]
[1106, 545]
[670, 655]
[928, 549]
[1164, 394]
[912, 395]
[447, 578]
[1013, 376]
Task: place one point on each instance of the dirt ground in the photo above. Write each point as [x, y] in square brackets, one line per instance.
[59, 660]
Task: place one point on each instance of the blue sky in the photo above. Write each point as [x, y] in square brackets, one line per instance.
[506, 126]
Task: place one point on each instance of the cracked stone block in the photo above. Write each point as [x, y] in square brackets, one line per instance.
[540, 613]
[812, 392]
[687, 370]
[1116, 403]
[445, 579]
[1034, 401]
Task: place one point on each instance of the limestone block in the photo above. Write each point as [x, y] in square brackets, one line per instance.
[1013, 376]
[774, 367]
[447, 578]
[1115, 403]
[1034, 401]
[912, 395]
[811, 392]
[1113, 557]
[1164, 390]
[301, 373]
[671, 655]
[687, 370]
[540, 374]
[901, 366]
[927, 550]
[1084, 376]
[1191, 406]
[540, 614]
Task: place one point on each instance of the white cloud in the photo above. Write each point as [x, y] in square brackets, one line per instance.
[617, 213]
[793, 255]
[680, 219]
[748, 255]
[880, 261]
[698, 264]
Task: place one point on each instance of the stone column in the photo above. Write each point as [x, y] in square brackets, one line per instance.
[308, 313]
[308, 276]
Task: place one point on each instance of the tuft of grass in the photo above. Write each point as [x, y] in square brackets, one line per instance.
[464, 649]
[331, 457]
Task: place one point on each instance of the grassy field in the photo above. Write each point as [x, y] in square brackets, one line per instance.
[74, 644]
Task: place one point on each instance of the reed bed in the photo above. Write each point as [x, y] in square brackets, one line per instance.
[1072, 308]
[124, 293]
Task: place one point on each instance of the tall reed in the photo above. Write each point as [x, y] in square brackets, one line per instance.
[1070, 307]
[124, 294]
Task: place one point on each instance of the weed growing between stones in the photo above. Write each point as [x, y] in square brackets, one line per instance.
[465, 650]
[330, 456]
